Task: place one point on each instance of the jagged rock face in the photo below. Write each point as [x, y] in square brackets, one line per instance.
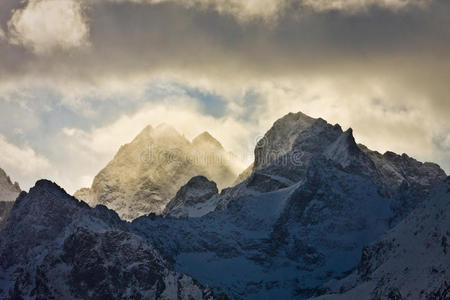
[244, 175]
[191, 198]
[8, 190]
[55, 247]
[146, 174]
[394, 170]
[409, 262]
[280, 139]
[5, 209]
[8, 194]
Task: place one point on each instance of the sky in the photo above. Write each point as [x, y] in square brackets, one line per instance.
[79, 78]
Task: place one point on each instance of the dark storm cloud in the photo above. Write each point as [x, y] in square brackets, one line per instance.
[132, 37]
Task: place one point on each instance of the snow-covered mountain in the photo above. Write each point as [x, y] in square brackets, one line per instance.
[411, 261]
[146, 173]
[296, 226]
[296, 143]
[55, 247]
[300, 219]
[8, 193]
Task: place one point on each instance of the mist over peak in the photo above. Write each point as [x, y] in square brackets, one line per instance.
[146, 174]
[205, 139]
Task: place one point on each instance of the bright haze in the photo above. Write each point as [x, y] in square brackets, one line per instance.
[79, 78]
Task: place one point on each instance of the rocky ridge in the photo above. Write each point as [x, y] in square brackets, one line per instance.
[56, 247]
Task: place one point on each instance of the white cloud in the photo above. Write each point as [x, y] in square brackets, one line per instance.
[271, 9]
[45, 25]
[22, 163]
[239, 8]
[358, 5]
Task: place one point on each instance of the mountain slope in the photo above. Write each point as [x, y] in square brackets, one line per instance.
[55, 247]
[146, 173]
[8, 193]
[191, 198]
[411, 261]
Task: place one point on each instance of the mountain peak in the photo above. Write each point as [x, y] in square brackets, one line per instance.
[52, 190]
[298, 116]
[45, 184]
[146, 174]
[147, 130]
[4, 178]
[144, 135]
[206, 138]
[191, 199]
[8, 190]
[344, 149]
[166, 131]
[281, 137]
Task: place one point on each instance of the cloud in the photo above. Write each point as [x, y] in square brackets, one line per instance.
[266, 9]
[182, 113]
[446, 142]
[377, 66]
[22, 162]
[355, 6]
[46, 25]
[270, 10]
